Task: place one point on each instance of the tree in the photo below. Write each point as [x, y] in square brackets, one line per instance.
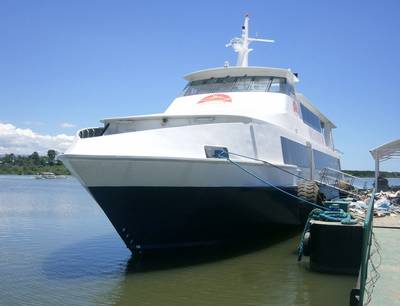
[51, 154]
[9, 158]
[35, 158]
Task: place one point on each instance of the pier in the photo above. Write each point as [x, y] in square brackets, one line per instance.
[387, 289]
[387, 234]
[369, 249]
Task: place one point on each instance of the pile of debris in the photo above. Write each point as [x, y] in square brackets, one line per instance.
[387, 203]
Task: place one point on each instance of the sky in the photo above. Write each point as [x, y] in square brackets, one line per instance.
[65, 65]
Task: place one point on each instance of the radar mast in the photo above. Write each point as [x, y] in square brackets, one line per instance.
[241, 44]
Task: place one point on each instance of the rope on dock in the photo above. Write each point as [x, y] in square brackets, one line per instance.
[333, 214]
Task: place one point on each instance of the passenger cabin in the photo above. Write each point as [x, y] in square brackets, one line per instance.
[262, 93]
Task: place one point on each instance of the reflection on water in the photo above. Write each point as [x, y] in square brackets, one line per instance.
[92, 258]
[261, 276]
[58, 248]
[170, 259]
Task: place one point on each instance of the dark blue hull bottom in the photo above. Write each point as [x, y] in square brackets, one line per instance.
[168, 217]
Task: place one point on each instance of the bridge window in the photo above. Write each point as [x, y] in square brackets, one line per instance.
[239, 84]
[278, 85]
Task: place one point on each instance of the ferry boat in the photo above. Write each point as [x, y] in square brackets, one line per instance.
[154, 180]
[48, 175]
[45, 175]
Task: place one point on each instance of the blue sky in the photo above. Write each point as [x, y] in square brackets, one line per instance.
[67, 64]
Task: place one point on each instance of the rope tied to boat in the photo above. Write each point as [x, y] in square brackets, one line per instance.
[222, 153]
[320, 182]
[331, 213]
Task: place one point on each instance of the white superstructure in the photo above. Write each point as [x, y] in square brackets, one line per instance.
[250, 122]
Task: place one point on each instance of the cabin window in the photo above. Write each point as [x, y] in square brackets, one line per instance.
[239, 84]
[310, 118]
[322, 160]
[295, 153]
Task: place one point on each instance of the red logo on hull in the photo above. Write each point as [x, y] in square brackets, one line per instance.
[216, 97]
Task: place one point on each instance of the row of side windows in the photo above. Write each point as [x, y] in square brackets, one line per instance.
[295, 153]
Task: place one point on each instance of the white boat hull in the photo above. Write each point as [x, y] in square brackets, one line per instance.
[156, 203]
[103, 171]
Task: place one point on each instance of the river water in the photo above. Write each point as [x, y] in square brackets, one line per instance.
[58, 248]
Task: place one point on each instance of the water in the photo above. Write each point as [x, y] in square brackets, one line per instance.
[369, 181]
[58, 248]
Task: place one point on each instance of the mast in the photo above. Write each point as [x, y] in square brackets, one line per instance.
[241, 44]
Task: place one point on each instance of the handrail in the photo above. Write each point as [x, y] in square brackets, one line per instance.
[334, 178]
[366, 247]
[341, 172]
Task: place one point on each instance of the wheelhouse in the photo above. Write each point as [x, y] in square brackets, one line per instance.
[239, 84]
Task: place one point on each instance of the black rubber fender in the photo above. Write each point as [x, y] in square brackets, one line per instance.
[309, 190]
[306, 244]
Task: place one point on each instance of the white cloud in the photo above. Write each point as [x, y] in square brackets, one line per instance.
[67, 125]
[25, 141]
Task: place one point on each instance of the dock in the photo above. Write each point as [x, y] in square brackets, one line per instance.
[387, 234]
[369, 249]
[387, 289]
[387, 222]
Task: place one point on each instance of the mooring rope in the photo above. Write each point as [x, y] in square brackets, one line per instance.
[270, 164]
[272, 185]
[331, 213]
[291, 173]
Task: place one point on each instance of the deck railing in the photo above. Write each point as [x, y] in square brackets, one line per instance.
[340, 180]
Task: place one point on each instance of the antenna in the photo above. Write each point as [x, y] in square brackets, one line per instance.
[241, 44]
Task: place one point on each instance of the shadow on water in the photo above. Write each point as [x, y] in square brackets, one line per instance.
[178, 258]
[90, 258]
[106, 256]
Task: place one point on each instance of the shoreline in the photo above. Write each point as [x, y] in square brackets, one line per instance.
[31, 174]
[69, 174]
